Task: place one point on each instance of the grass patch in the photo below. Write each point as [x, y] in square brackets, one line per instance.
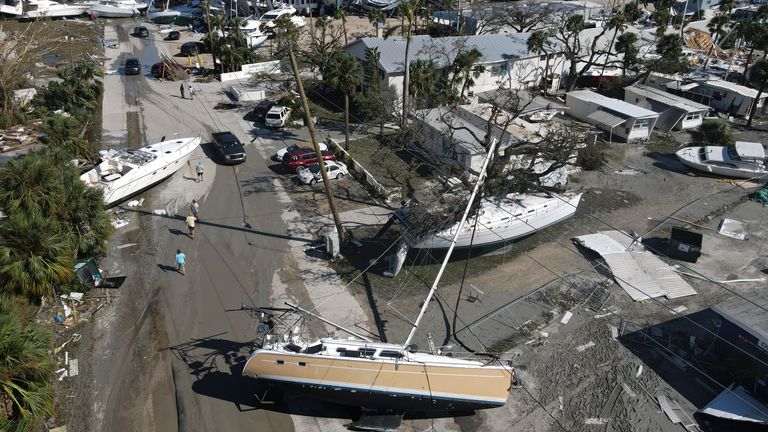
[384, 164]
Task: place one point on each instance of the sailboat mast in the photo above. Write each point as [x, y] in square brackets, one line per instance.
[480, 178]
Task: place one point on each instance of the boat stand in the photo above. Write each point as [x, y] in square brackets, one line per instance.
[372, 421]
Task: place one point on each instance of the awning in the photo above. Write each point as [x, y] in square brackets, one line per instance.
[606, 119]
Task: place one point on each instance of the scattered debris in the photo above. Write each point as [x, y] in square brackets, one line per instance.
[76, 296]
[629, 172]
[614, 332]
[586, 346]
[73, 368]
[733, 228]
[679, 310]
[639, 371]
[135, 203]
[123, 246]
[160, 212]
[596, 421]
[118, 223]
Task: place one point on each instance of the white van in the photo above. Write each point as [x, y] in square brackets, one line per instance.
[277, 116]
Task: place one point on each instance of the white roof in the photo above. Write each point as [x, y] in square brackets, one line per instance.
[733, 87]
[750, 150]
[616, 105]
[666, 98]
[750, 316]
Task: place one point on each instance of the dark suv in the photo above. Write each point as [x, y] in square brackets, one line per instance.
[191, 48]
[297, 160]
[229, 147]
[261, 109]
[132, 66]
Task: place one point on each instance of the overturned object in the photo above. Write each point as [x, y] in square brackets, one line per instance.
[733, 228]
[684, 245]
[641, 274]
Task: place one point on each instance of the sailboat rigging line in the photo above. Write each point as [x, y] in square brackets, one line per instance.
[452, 331]
[479, 183]
[656, 251]
[656, 300]
[329, 322]
[544, 408]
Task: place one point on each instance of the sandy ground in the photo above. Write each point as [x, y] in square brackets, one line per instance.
[165, 355]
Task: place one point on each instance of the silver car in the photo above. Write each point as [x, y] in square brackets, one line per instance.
[312, 175]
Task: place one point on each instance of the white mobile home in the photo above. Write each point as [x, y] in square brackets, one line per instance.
[616, 117]
[675, 112]
[730, 98]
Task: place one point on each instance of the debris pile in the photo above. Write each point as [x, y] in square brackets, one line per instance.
[170, 69]
[15, 137]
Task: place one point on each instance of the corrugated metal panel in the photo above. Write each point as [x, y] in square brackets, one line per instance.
[601, 244]
[606, 119]
[631, 277]
[671, 283]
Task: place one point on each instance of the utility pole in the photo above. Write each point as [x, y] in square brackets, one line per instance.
[313, 135]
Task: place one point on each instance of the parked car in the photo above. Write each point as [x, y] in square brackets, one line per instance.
[174, 35]
[312, 174]
[132, 66]
[297, 160]
[229, 147]
[293, 147]
[277, 116]
[140, 32]
[191, 48]
[262, 108]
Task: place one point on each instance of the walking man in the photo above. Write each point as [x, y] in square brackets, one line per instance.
[181, 261]
[181, 89]
[191, 97]
[199, 169]
[191, 225]
[195, 207]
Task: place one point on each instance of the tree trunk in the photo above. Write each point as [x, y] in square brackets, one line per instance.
[546, 73]
[749, 60]
[346, 120]
[572, 74]
[610, 48]
[754, 106]
[316, 145]
[407, 77]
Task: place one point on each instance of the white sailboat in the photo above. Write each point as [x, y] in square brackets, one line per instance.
[124, 173]
[743, 160]
[116, 8]
[382, 376]
[35, 9]
[499, 220]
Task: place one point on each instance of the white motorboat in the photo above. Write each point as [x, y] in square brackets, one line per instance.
[499, 220]
[268, 19]
[377, 376]
[124, 173]
[116, 8]
[165, 16]
[742, 160]
[12, 8]
[35, 9]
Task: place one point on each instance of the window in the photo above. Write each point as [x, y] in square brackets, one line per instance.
[280, 362]
[302, 363]
[692, 116]
[391, 354]
[641, 124]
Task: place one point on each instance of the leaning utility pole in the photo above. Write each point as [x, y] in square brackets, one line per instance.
[310, 124]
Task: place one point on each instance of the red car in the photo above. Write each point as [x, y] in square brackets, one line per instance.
[299, 159]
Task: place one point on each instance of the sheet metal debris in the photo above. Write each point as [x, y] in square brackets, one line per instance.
[567, 317]
[733, 228]
[641, 274]
[586, 346]
[737, 404]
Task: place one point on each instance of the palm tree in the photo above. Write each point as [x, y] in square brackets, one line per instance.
[26, 370]
[423, 79]
[465, 69]
[345, 76]
[716, 26]
[376, 16]
[758, 77]
[538, 42]
[409, 12]
[627, 44]
[30, 185]
[82, 216]
[35, 255]
[342, 15]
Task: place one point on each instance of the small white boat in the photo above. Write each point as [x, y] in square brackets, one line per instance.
[12, 8]
[542, 116]
[124, 173]
[116, 8]
[382, 5]
[35, 9]
[165, 16]
[500, 220]
[743, 160]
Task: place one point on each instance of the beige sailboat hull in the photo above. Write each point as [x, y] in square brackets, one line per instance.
[383, 383]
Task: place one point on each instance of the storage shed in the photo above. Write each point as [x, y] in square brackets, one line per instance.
[675, 112]
[616, 117]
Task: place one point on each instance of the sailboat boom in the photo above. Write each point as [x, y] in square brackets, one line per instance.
[480, 179]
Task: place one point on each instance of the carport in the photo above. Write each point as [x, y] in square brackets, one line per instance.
[607, 120]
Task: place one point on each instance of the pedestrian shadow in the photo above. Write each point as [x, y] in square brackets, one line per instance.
[177, 232]
[166, 268]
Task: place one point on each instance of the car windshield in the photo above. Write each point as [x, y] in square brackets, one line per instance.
[273, 116]
[314, 168]
[132, 62]
[228, 142]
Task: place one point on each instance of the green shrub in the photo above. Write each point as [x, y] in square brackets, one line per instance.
[716, 132]
[592, 156]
